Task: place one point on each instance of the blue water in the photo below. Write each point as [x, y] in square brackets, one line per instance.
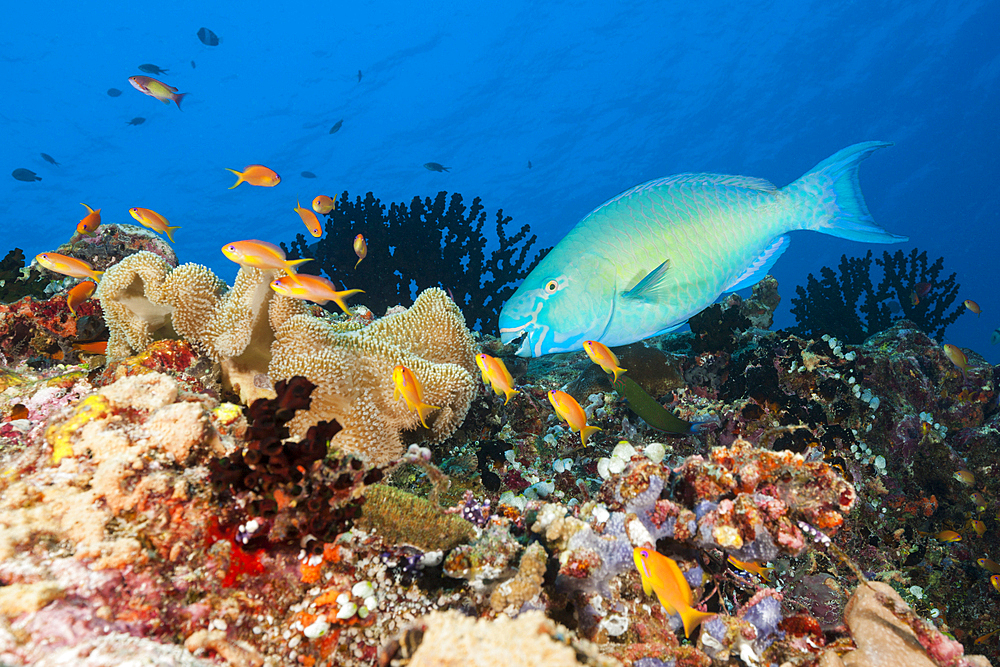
[598, 96]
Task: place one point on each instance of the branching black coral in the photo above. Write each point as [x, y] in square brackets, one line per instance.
[431, 243]
[850, 308]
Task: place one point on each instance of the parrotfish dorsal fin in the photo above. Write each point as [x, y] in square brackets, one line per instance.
[726, 180]
[651, 285]
[760, 266]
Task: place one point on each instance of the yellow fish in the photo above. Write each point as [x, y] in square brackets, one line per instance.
[957, 357]
[256, 174]
[261, 255]
[147, 85]
[323, 204]
[965, 477]
[360, 248]
[408, 387]
[496, 375]
[661, 575]
[153, 220]
[972, 305]
[990, 565]
[310, 220]
[312, 288]
[995, 580]
[90, 222]
[948, 536]
[603, 357]
[80, 293]
[982, 640]
[979, 527]
[758, 569]
[569, 410]
[67, 266]
[979, 500]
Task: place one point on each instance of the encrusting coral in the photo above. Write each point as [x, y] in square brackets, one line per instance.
[259, 337]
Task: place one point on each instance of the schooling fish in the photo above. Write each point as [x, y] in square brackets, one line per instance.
[25, 175]
[957, 357]
[151, 69]
[67, 266]
[570, 411]
[261, 255]
[309, 219]
[434, 166]
[645, 261]
[147, 85]
[89, 224]
[153, 220]
[207, 37]
[255, 174]
[78, 294]
[968, 303]
[661, 575]
[323, 204]
[308, 174]
[408, 387]
[603, 357]
[138, 120]
[336, 126]
[48, 158]
[312, 288]
[496, 375]
[360, 248]
[114, 92]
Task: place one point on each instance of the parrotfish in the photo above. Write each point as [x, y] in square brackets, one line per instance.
[312, 288]
[645, 261]
[256, 174]
[161, 91]
[153, 220]
[408, 388]
[661, 575]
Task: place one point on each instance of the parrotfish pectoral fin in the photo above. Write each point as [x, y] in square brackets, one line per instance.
[651, 287]
[833, 186]
[760, 266]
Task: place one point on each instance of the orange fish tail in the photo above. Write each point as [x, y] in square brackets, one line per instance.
[509, 393]
[239, 175]
[169, 231]
[618, 371]
[292, 263]
[177, 97]
[692, 618]
[424, 408]
[586, 432]
[96, 275]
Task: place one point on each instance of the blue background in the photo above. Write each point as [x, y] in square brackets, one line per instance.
[598, 96]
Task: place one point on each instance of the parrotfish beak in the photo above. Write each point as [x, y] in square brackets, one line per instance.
[524, 349]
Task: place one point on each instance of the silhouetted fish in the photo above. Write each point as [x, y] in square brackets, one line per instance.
[995, 336]
[114, 92]
[308, 174]
[207, 37]
[138, 120]
[25, 175]
[434, 166]
[529, 164]
[48, 158]
[359, 76]
[192, 64]
[152, 69]
[337, 126]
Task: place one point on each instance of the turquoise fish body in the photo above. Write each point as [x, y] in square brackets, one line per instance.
[645, 261]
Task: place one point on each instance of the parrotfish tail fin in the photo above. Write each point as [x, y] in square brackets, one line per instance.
[830, 199]
[342, 297]
[692, 618]
[177, 97]
[239, 177]
[292, 263]
[169, 231]
[586, 432]
[509, 393]
[424, 409]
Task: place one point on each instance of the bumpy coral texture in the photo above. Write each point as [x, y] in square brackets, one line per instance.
[352, 368]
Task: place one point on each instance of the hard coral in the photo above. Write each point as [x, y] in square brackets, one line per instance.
[433, 243]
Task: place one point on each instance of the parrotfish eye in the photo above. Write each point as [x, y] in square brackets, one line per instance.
[551, 287]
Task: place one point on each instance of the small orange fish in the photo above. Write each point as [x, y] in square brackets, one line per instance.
[90, 222]
[995, 580]
[67, 266]
[979, 500]
[323, 204]
[570, 411]
[990, 565]
[147, 85]
[80, 293]
[661, 575]
[310, 220]
[957, 357]
[979, 527]
[256, 174]
[920, 290]
[153, 220]
[948, 536]
[758, 569]
[360, 248]
[96, 347]
[965, 477]
[496, 375]
[985, 638]
[261, 255]
[312, 288]
[408, 387]
[971, 305]
[603, 357]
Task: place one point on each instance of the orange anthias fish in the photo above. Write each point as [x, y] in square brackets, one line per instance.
[408, 387]
[957, 357]
[323, 204]
[979, 527]
[310, 220]
[256, 174]
[661, 575]
[80, 293]
[496, 375]
[920, 290]
[96, 347]
[147, 85]
[990, 565]
[965, 477]
[67, 266]
[90, 222]
[972, 305]
[360, 248]
[312, 288]
[758, 569]
[948, 536]
[261, 255]
[995, 580]
[153, 220]
[569, 410]
[603, 357]
[985, 638]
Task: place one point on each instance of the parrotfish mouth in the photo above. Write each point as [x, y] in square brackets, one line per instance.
[525, 331]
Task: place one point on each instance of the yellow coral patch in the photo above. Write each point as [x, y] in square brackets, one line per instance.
[227, 413]
[61, 435]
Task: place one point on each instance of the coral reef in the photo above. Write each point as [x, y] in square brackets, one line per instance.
[850, 308]
[16, 281]
[431, 243]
